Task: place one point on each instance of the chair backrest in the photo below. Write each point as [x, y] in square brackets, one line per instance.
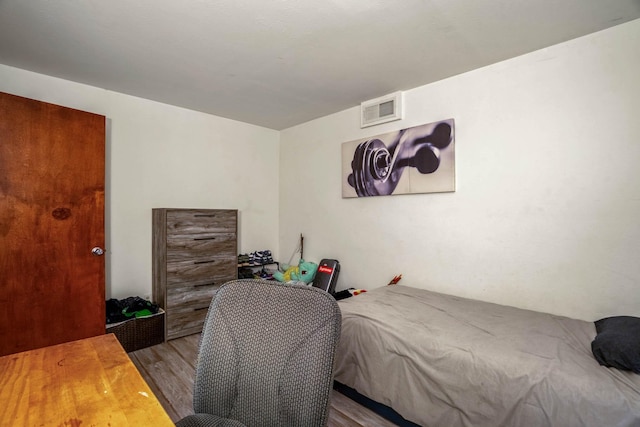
[266, 354]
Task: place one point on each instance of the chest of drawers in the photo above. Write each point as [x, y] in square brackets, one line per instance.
[194, 252]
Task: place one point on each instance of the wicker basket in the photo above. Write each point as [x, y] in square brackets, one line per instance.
[140, 332]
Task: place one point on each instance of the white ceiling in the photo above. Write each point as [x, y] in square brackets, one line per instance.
[278, 63]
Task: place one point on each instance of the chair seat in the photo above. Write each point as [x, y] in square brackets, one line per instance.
[207, 420]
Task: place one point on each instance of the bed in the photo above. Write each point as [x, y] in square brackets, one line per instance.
[440, 360]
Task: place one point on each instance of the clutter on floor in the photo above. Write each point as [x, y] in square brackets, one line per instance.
[135, 321]
[121, 310]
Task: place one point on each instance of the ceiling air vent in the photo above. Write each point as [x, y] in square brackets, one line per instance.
[381, 110]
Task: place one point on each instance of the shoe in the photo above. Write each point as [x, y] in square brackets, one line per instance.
[266, 275]
[243, 260]
[259, 257]
[245, 273]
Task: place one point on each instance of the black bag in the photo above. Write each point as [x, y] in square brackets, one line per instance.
[327, 275]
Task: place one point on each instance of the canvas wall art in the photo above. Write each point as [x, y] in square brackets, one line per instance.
[420, 159]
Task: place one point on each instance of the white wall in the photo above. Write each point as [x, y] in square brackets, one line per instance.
[546, 214]
[163, 156]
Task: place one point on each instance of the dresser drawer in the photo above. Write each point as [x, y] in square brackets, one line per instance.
[210, 270]
[201, 246]
[190, 297]
[189, 222]
[188, 306]
[180, 324]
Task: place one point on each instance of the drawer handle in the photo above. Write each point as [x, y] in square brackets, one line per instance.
[200, 308]
[204, 262]
[205, 215]
[204, 284]
[204, 238]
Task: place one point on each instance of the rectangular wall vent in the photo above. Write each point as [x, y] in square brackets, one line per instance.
[381, 110]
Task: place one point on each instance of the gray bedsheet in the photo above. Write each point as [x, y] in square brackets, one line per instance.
[445, 361]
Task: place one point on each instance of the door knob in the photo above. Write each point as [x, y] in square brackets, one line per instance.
[97, 251]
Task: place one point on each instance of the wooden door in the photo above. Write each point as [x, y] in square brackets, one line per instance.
[51, 216]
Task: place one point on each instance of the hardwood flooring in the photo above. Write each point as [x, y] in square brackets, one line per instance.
[169, 370]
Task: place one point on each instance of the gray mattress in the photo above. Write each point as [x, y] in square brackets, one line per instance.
[441, 360]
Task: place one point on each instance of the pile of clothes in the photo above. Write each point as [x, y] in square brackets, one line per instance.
[128, 308]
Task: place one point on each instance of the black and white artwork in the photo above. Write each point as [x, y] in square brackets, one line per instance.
[419, 159]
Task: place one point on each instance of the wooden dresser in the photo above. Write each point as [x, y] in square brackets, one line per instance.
[194, 252]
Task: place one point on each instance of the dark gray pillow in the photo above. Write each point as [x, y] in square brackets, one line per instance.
[617, 343]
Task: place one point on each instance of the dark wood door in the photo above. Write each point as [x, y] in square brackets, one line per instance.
[51, 216]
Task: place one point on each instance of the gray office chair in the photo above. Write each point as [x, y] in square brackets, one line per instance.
[266, 356]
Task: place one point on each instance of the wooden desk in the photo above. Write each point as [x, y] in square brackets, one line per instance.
[85, 383]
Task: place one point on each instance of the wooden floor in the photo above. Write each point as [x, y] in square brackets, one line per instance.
[169, 369]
